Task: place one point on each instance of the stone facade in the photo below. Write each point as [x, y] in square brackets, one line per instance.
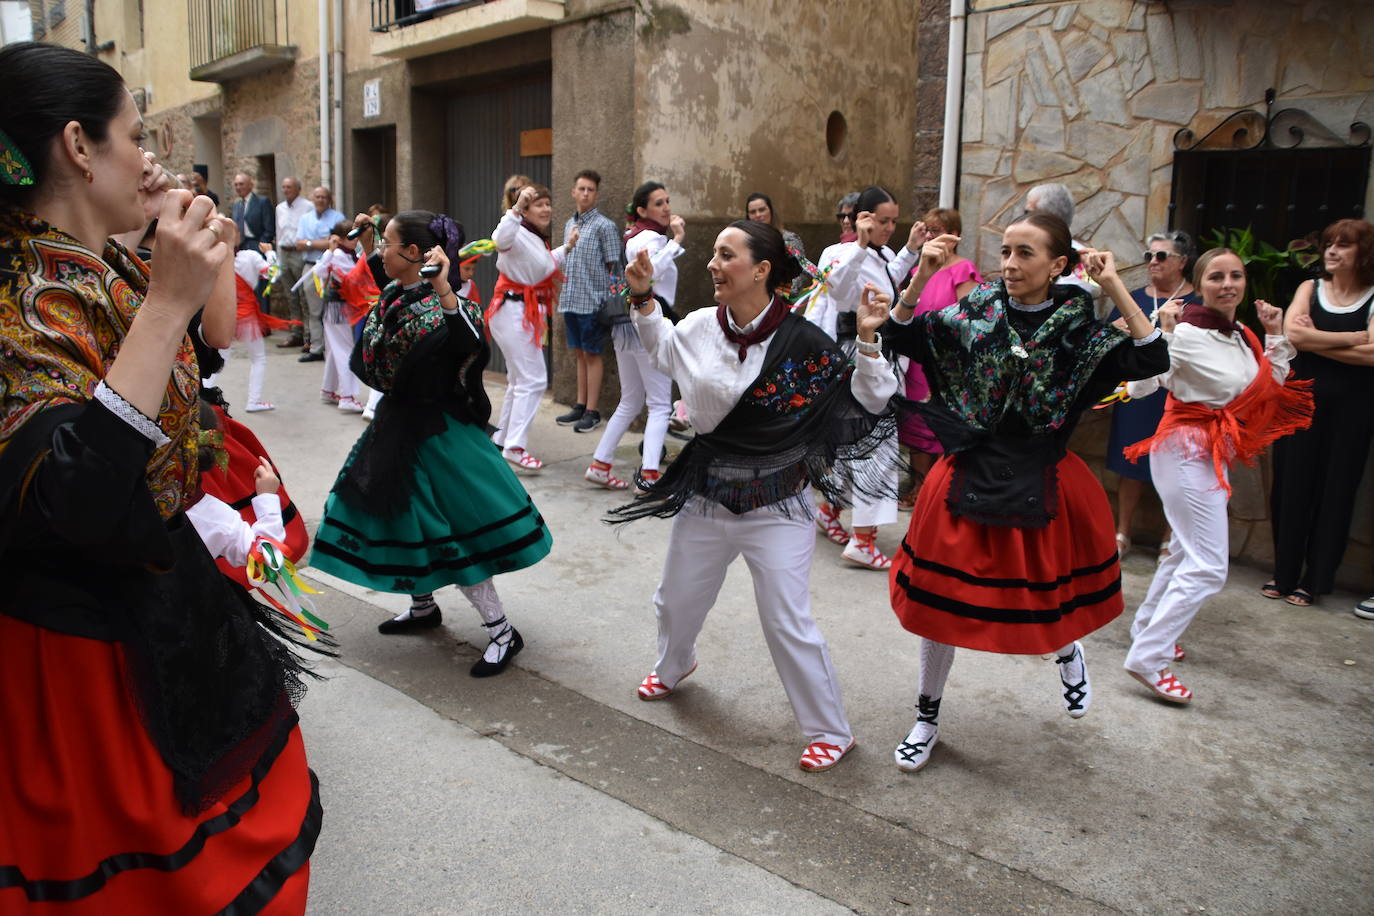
[1091, 95]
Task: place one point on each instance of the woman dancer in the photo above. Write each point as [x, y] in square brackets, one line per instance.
[1317, 471]
[846, 268]
[775, 403]
[250, 325]
[339, 386]
[953, 281]
[1228, 401]
[1169, 257]
[759, 208]
[1011, 546]
[151, 757]
[424, 501]
[518, 316]
[657, 231]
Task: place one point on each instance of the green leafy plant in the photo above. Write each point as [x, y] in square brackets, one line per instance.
[1272, 273]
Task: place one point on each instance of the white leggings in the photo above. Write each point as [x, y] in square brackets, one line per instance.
[257, 367]
[338, 378]
[640, 383]
[526, 377]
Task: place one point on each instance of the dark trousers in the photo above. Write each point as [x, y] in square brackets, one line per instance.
[1316, 474]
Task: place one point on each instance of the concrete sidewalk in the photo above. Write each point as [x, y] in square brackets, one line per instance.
[1251, 800]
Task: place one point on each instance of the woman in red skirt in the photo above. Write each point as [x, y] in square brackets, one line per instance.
[150, 760]
[1012, 547]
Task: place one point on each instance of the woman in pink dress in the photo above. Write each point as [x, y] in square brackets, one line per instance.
[952, 282]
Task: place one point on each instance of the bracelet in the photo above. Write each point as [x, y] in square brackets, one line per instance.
[909, 306]
[638, 300]
[871, 348]
[1133, 314]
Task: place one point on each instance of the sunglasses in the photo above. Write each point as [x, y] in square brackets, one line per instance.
[1160, 256]
[844, 216]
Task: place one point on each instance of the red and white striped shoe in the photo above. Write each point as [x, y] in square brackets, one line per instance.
[821, 755]
[1179, 654]
[1164, 685]
[651, 688]
[828, 520]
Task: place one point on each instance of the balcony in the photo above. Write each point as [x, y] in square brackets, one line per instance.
[231, 39]
[416, 28]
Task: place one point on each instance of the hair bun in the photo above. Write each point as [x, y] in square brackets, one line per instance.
[1074, 259]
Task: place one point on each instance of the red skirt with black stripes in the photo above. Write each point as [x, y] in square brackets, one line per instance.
[1018, 591]
[89, 824]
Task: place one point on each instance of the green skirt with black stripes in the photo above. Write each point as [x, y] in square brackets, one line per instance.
[468, 519]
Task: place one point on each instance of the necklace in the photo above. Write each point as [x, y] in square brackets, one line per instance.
[1154, 302]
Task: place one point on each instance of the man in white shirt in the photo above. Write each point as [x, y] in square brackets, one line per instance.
[291, 260]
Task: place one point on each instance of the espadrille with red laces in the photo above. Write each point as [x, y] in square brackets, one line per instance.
[1164, 685]
[821, 755]
[651, 688]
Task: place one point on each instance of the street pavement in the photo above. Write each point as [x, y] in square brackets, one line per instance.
[553, 788]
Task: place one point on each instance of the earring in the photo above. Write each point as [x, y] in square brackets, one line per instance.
[90, 178]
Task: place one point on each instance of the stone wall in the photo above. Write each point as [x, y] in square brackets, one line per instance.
[1091, 94]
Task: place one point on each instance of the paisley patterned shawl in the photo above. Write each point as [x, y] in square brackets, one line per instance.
[64, 311]
[402, 319]
[983, 370]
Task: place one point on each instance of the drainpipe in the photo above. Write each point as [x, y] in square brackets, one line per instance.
[326, 161]
[954, 104]
[339, 190]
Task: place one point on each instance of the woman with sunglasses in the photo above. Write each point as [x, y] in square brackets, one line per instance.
[1168, 256]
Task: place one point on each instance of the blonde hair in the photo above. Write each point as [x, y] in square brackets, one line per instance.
[511, 190]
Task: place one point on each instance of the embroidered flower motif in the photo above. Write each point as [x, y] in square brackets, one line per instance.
[403, 585]
[795, 384]
[349, 542]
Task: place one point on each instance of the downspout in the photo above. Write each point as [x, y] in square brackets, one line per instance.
[340, 192]
[954, 104]
[326, 162]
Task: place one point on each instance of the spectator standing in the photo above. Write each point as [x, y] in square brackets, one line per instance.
[592, 263]
[252, 214]
[312, 238]
[290, 260]
[200, 185]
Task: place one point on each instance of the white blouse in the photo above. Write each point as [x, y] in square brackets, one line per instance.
[339, 261]
[708, 371]
[520, 254]
[1210, 368]
[225, 532]
[663, 253]
[851, 266]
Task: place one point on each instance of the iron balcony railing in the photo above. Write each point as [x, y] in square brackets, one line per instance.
[222, 28]
[391, 14]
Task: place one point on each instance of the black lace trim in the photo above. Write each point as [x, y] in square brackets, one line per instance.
[41, 890]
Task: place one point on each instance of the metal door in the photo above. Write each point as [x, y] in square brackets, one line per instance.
[484, 129]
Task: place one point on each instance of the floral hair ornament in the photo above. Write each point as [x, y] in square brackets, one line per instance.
[213, 439]
[14, 165]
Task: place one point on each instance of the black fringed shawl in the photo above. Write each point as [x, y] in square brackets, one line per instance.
[794, 422]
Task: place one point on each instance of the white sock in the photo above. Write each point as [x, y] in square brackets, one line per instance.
[1070, 672]
[488, 603]
[420, 606]
[936, 660]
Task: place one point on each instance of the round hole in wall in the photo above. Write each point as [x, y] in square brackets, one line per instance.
[836, 134]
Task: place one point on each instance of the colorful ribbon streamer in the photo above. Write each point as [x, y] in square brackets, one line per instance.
[1119, 396]
[268, 564]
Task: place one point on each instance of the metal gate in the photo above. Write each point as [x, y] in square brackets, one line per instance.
[484, 128]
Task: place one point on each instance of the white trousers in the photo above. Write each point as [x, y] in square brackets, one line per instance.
[526, 378]
[869, 510]
[640, 383]
[257, 366]
[778, 551]
[338, 348]
[1199, 557]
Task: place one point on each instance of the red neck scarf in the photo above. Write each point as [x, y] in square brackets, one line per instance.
[1265, 411]
[772, 317]
[644, 224]
[1203, 317]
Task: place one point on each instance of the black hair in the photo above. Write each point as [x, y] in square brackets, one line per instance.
[46, 88]
[342, 228]
[870, 198]
[591, 175]
[759, 195]
[424, 229]
[641, 197]
[766, 244]
[1061, 240]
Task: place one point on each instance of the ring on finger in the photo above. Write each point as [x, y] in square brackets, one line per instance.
[213, 227]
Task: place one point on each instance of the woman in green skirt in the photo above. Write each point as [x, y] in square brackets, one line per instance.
[425, 500]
